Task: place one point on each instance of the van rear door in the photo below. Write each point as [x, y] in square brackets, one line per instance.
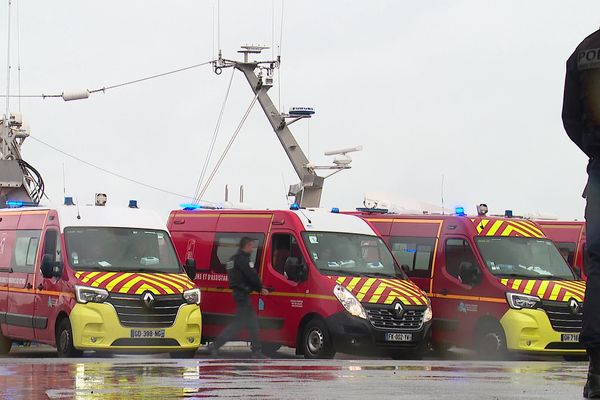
[19, 317]
[8, 225]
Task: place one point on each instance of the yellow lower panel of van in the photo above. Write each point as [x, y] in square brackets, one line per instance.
[530, 331]
[96, 327]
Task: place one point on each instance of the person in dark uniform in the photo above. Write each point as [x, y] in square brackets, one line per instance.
[581, 118]
[243, 280]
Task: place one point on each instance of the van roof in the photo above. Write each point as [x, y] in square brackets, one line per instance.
[310, 219]
[106, 216]
[480, 226]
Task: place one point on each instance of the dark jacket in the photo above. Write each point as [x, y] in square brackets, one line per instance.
[581, 102]
[241, 275]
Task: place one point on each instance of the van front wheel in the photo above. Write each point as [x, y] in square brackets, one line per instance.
[5, 344]
[316, 340]
[64, 340]
[490, 342]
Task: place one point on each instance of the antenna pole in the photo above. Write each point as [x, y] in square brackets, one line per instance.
[442, 192]
[8, 66]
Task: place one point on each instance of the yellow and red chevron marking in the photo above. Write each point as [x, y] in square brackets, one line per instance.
[383, 291]
[136, 283]
[548, 290]
[504, 227]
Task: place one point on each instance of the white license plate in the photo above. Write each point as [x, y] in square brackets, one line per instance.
[569, 337]
[147, 333]
[398, 337]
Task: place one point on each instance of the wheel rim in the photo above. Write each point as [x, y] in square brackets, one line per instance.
[315, 341]
[491, 342]
[63, 340]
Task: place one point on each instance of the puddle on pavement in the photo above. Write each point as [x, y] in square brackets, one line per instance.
[112, 379]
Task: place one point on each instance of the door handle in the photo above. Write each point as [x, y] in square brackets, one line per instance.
[40, 287]
[28, 286]
[271, 289]
[444, 292]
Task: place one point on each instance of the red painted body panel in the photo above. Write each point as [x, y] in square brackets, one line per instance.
[569, 233]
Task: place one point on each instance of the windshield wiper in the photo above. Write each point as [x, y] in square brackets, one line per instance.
[342, 272]
[379, 275]
[540, 277]
[151, 270]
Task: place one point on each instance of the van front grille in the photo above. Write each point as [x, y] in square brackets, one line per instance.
[561, 317]
[385, 317]
[134, 313]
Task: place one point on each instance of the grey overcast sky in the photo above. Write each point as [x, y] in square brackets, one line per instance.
[471, 90]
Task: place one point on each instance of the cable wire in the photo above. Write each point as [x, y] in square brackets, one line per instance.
[105, 88]
[233, 137]
[213, 139]
[112, 172]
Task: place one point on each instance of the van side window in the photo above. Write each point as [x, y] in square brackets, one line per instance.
[26, 247]
[52, 244]
[284, 250]
[460, 259]
[414, 254]
[227, 244]
[567, 251]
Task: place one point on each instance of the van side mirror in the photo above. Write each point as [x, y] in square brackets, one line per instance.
[50, 268]
[405, 268]
[468, 273]
[190, 268]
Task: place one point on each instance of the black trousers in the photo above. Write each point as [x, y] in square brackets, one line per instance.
[590, 335]
[245, 317]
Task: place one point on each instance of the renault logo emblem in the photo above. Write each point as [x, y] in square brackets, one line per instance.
[148, 299]
[398, 310]
[574, 306]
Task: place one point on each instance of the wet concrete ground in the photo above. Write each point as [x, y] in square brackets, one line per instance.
[38, 374]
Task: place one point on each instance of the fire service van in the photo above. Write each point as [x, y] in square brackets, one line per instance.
[496, 284]
[569, 237]
[94, 278]
[334, 285]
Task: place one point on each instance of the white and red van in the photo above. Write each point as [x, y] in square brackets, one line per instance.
[334, 285]
[94, 278]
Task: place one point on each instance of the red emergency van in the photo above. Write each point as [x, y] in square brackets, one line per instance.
[496, 284]
[569, 237]
[334, 285]
[94, 278]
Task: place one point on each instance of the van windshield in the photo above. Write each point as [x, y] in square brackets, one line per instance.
[349, 254]
[120, 249]
[528, 258]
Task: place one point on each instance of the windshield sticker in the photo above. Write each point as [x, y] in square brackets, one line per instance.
[313, 239]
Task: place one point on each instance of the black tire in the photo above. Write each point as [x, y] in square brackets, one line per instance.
[183, 354]
[64, 340]
[316, 341]
[575, 357]
[5, 344]
[490, 342]
[270, 349]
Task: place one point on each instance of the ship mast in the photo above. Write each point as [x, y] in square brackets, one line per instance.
[259, 75]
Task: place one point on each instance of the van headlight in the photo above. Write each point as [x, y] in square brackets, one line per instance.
[87, 294]
[350, 303]
[192, 296]
[519, 301]
[428, 316]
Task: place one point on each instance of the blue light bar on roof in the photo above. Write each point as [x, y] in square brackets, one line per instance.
[460, 211]
[19, 204]
[190, 207]
[335, 210]
[295, 206]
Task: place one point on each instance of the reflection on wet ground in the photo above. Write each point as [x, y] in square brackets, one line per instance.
[154, 378]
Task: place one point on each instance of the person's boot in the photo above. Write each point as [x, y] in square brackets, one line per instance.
[591, 390]
[213, 350]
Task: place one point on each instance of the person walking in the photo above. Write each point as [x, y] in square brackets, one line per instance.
[243, 280]
[581, 119]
